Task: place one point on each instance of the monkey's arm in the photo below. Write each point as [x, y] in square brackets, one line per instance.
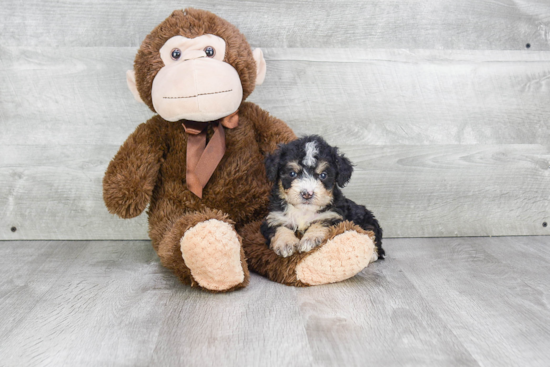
[132, 174]
[270, 130]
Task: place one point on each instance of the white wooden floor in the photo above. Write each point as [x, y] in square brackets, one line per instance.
[440, 302]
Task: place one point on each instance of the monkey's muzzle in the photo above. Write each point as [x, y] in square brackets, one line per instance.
[200, 89]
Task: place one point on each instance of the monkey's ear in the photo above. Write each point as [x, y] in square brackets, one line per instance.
[345, 169]
[131, 80]
[272, 165]
[260, 65]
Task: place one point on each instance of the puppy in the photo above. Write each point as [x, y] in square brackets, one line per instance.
[306, 198]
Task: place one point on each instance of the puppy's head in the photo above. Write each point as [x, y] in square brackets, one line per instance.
[307, 170]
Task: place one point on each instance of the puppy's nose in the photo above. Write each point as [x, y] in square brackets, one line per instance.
[306, 194]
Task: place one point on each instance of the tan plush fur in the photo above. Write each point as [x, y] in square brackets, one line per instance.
[339, 259]
[284, 269]
[169, 249]
[149, 169]
[212, 251]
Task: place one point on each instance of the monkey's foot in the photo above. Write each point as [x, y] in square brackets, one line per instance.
[203, 250]
[340, 258]
[212, 251]
[347, 250]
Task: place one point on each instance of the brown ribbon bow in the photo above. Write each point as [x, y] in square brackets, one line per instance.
[203, 159]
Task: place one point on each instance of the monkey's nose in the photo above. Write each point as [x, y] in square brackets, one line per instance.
[306, 194]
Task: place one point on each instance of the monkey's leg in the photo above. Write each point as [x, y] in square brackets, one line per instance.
[204, 250]
[347, 250]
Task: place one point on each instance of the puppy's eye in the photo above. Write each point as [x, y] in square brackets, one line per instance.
[323, 175]
[292, 174]
[176, 53]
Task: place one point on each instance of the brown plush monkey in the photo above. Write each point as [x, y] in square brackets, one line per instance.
[199, 163]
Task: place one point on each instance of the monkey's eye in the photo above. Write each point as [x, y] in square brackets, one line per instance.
[323, 176]
[176, 53]
[292, 174]
[209, 51]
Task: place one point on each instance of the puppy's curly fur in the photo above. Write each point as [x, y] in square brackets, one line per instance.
[306, 198]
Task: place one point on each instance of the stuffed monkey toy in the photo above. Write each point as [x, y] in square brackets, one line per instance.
[199, 163]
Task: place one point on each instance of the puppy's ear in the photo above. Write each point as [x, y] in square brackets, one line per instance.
[345, 169]
[272, 165]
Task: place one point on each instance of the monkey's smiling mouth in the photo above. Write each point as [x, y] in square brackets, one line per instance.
[200, 94]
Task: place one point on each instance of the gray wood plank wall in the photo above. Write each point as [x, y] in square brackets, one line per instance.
[441, 105]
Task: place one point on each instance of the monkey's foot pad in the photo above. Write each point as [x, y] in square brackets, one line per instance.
[340, 258]
[212, 251]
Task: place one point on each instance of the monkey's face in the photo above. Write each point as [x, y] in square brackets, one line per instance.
[195, 66]
[195, 82]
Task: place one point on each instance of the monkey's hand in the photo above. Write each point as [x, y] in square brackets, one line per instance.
[132, 174]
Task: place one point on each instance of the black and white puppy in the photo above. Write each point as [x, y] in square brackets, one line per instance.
[306, 198]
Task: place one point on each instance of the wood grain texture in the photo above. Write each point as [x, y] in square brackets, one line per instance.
[425, 191]
[107, 305]
[377, 319]
[444, 302]
[454, 190]
[28, 271]
[377, 97]
[489, 304]
[57, 193]
[263, 317]
[531, 263]
[411, 96]
[66, 96]
[442, 24]
[440, 104]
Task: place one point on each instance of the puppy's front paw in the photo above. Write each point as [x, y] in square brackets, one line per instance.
[284, 249]
[309, 243]
[284, 243]
[314, 236]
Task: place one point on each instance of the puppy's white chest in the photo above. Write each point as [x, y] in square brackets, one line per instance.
[300, 218]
